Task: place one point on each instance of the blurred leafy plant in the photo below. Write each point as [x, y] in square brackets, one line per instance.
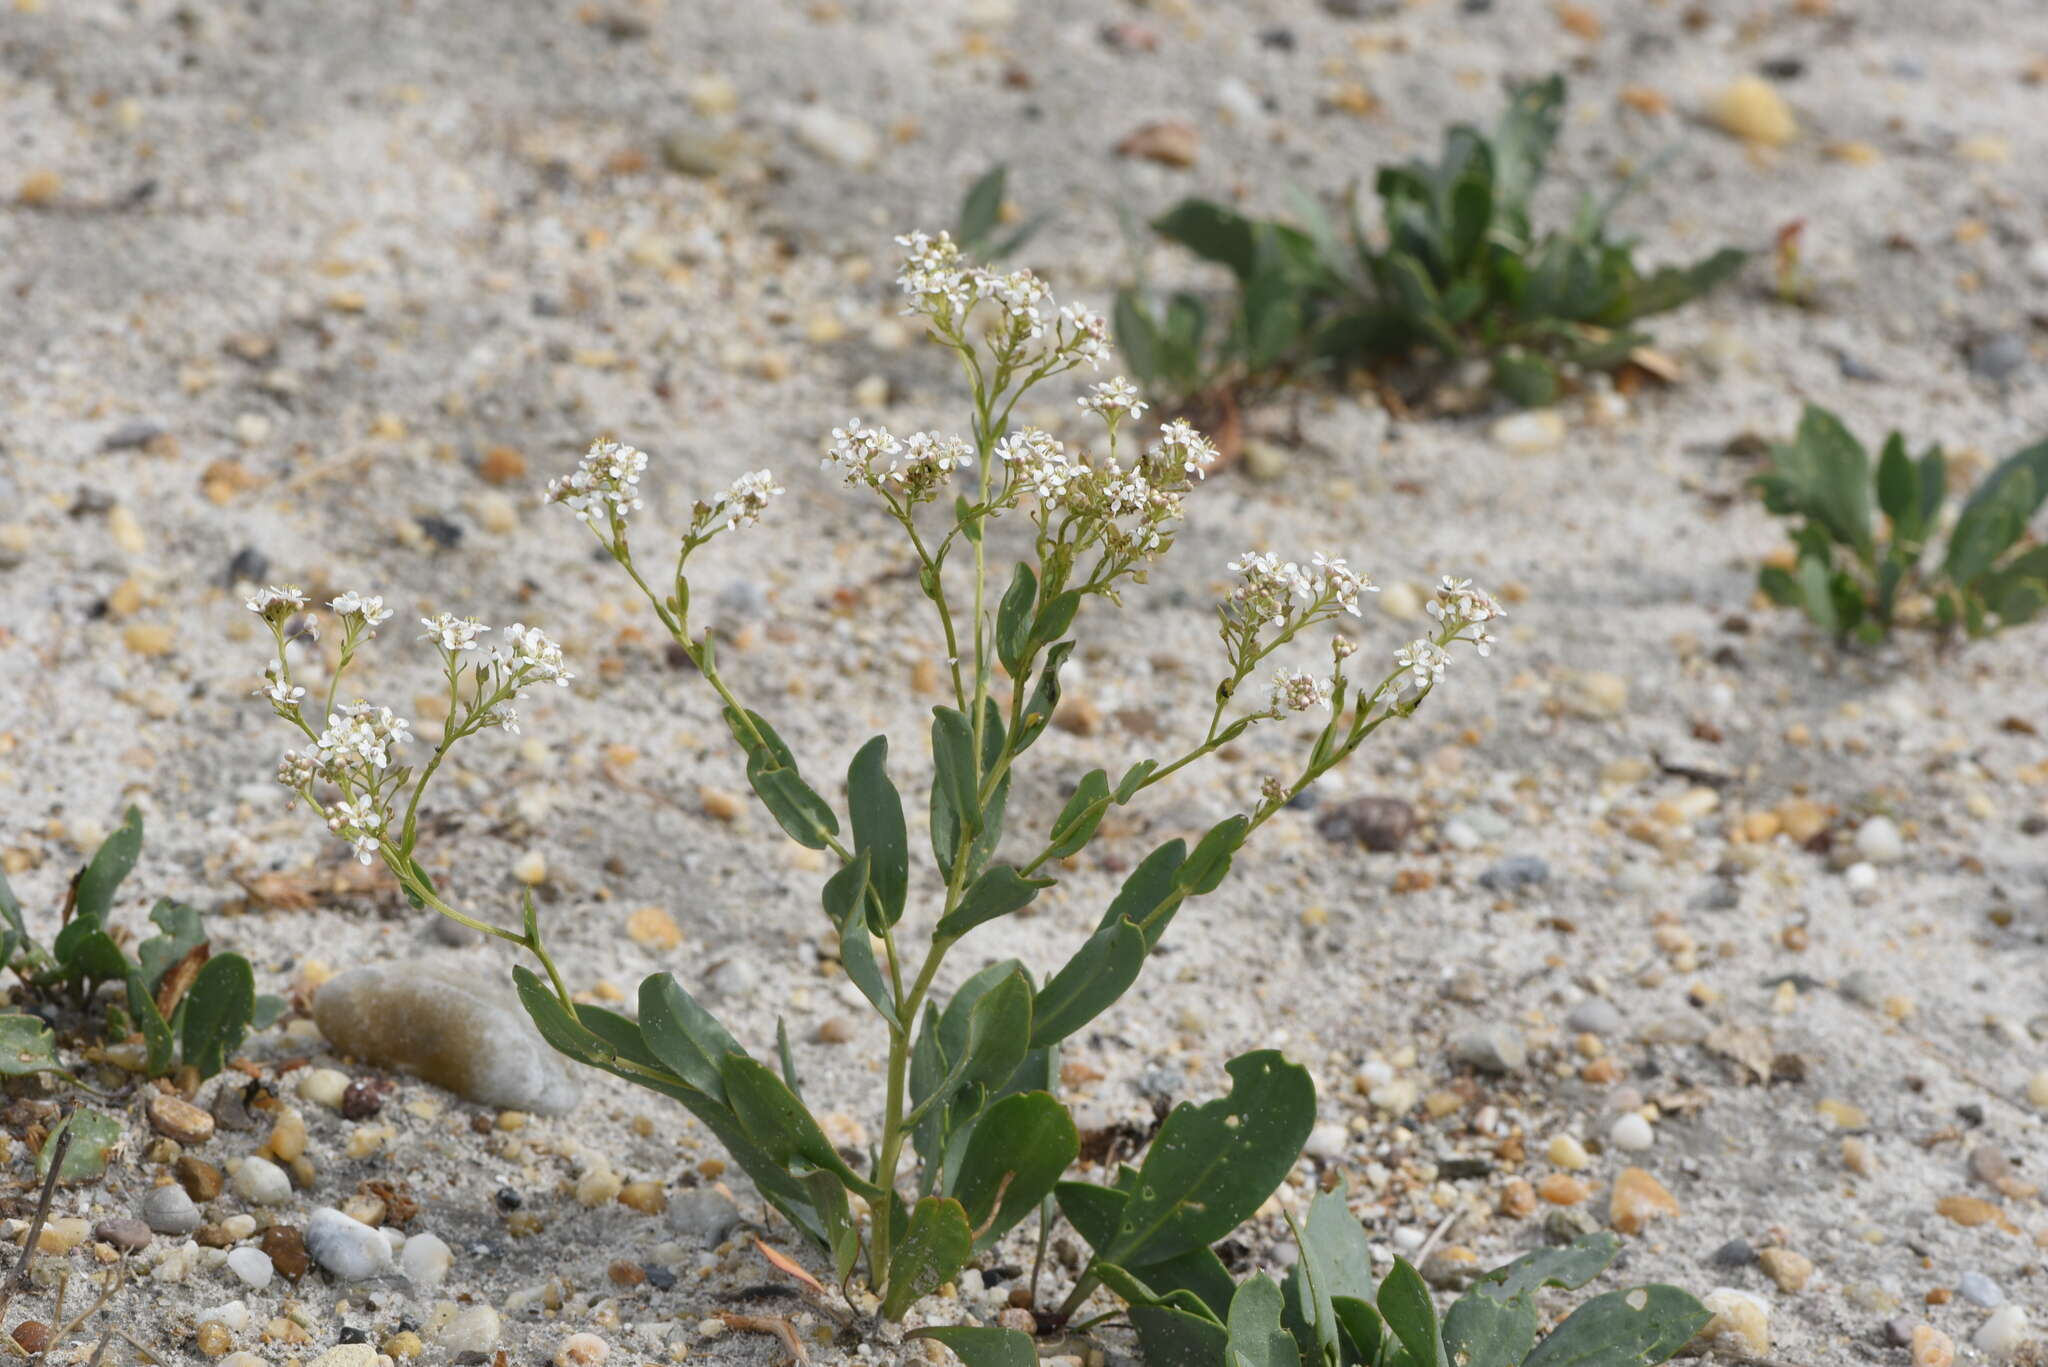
[183, 1005]
[1864, 555]
[1188, 1311]
[1463, 271]
[969, 1082]
[978, 226]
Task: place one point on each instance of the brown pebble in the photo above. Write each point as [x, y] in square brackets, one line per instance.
[1638, 1198]
[624, 1273]
[721, 805]
[646, 1197]
[213, 1236]
[1017, 1318]
[1518, 1198]
[213, 1339]
[1562, 1189]
[176, 1118]
[200, 1179]
[286, 1249]
[1788, 1269]
[502, 465]
[1077, 716]
[40, 186]
[32, 1335]
[1940, 1295]
[364, 1098]
[835, 1030]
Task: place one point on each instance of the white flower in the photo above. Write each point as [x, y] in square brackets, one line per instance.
[452, 632]
[276, 688]
[528, 651]
[503, 716]
[1424, 660]
[1178, 440]
[368, 606]
[932, 275]
[929, 457]
[359, 734]
[742, 504]
[1087, 335]
[1297, 690]
[857, 450]
[1456, 600]
[1037, 463]
[605, 483]
[1341, 583]
[277, 602]
[1113, 398]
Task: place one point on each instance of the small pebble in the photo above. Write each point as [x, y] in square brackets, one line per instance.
[1326, 1142]
[1595, 1016]
[426, 1260]
[1490, 1048]
[1539, 429]
[1631, 1132]
[348, 1248]
[1788, 1269]
[176, 1118]
[2003, 1334]
[582, 1350]
[252, 1267]
[1879, 842]
[127, 1235]
[1978, 1289]
[1931, 1347]
[324, 1087]
[261, 1182]
[168, 1210]
[475, 1330]
[1734, 1253]
[1754, 111]
[1741, 1322]
[1515, 873]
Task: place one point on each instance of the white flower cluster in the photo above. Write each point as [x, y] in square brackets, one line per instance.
[1271, 590]
[743, 502]
[1464, 612]
[451, 633]
[277, 687]
[1297, 690]
[364, 610]
[868, 455]
[1113, 399]
[359, 824]
[1180, 443]
[529, 652]
[359, 737]
[944, 288]
[1038, 464]
[604, 484]
[277, 602]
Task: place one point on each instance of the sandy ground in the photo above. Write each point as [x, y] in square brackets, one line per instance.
[308, 266]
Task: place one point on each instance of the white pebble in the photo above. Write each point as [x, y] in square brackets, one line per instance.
[582, 1350]
[473, 1331]
[238, 1227]
[2003, 1333]
[346, 1247]
[1326, 1141]
[426, 1260]
[234, 1316]
[2037, 1089]
[1860, 876]
[1539, 429]
[261, 1182]
[1631, 1132]
[324, 1087]
[1878, 840]
[252, 1266]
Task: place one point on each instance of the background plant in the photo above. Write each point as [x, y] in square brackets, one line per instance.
[977, 228]
[183, 1004]
[1865, 542]
[1189, 1311]
[1461, 271]
[968, 1086]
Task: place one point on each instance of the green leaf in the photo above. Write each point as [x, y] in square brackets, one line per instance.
[1169, 1336]
[112, 862]
[856, 950]
[1208, 865]
[981, 210]
[1198, 1273]
[156, 1033]
[1528, 380]
[998, 1035]
[1076, 823]
[1212, 232]
[876, 811]
[1014, 618]
[83, 950]
[1212, 1165]
[217, 1011]
[1101, 971]
[1056, 616]
[2033, 463]
[1020, 1146]
[1639, 1327]
[934, 1248]
[182, 932]
[956, 780]
[1137, 337]
[1362, 1327]
[1092, 1210]
[1570, 1267]
[270, 1009]
[1334, 1243]
[11, 909]
[1523, 139]
[1898, 489]
[1134, 778]
[93, 1137]
[779, 1123]
[1257, 1338]
[1147, 888]
[1045, 696]
[1481, 1331]
[687, 1039]
[772, 771]
[998, 892]
[787, 1058]
[977, 1346]
[842, 1236]
[26, 1046]
[1404, 1301]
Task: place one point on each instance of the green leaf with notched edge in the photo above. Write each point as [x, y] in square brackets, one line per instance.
[779, 1123]
[112, 862]
[1639, 1327]
[1101, 971]
[1257, 1338]
[93, 1137]
[1404, 1303]
[998, 892]
[687, 1039]
[1212, 1165]
[842, 1236]
[978, 1346]
[26, 1046]
[1018, 1149]
[1570, 1267]
[1014, 617]
[935, 1246]
[1480, 1331]
[217, 1011]
[875, 810]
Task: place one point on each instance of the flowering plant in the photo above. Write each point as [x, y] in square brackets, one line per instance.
[970, 1079]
